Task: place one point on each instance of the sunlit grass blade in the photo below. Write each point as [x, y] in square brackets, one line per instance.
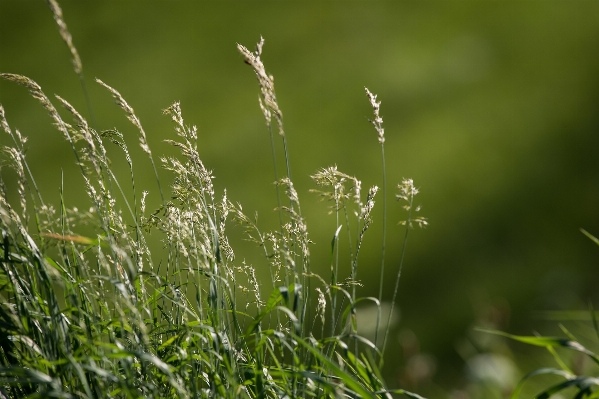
[543, 371]
[590, 236]
[346, 378]
[582, 383]
[546, 342]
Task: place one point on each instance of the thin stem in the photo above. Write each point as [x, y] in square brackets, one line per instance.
[378, 317]
[291, 206]
[274, 162]
[403, 253]
[88, 101]
[334, 272]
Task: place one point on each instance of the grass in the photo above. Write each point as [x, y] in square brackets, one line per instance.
[103, 315]
[107, 315]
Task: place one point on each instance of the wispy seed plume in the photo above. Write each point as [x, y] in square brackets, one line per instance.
[120, 101]
[65, 34]
[377, 122]
[36, 92]
[268, 102]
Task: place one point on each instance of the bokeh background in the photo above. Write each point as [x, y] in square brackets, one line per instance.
[491, 107]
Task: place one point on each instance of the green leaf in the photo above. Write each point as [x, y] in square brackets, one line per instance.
[347, 379]
[590, 236]
[539, 372]
[352, 306]
[594, 319]
[168, 342]
[546, 342]
[335, 238]
[297, 289]
[401, 392]
[162, 366]
[580, 382]
[292, 317]
[26, 375]
[273, 301]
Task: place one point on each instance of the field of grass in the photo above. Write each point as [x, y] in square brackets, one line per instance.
[100, 316]
[122, 299]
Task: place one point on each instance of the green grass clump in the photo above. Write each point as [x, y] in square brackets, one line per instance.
[580, 385]
[104, 315]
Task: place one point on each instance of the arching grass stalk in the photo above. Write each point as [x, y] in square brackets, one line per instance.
[76, 60]
[143, 142]
[89, 133]
[295, 239]
[269, 106]
[407, 191]
[100, 201]
[19, 142]
[377, 122]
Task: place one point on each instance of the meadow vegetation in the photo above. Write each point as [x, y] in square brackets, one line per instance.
[99, 315]
[105, 314]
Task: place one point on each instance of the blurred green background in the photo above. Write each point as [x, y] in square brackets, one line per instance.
[491, 107]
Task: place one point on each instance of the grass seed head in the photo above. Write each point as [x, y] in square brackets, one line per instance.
[65, 34]
[407, 192]
[268, 100]
[377, 122]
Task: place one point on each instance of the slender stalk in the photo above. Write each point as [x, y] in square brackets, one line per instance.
[276, 171]
[378, 316]
[88, 101]
[395, 290]
[377, 122]
[335, 272]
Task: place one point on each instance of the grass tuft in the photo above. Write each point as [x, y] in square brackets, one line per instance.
[106, 316]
